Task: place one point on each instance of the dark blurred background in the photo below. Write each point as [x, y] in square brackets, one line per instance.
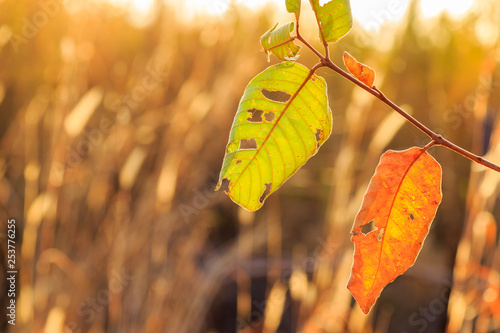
[114, 117]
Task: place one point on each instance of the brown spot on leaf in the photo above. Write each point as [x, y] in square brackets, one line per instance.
[318, 135]
[269, 116]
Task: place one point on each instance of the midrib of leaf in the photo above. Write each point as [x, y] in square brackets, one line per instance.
[280, 44]
[320, 30]
[311, 72]
[391, 208]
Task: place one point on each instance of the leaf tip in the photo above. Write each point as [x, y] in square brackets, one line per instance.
[365, 302]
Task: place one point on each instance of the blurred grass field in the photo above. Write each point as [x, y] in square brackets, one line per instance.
[112, 135]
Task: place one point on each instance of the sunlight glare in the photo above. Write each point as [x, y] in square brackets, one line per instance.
[119, 3]
[219, 7]
[214, 7]
[374, 14]
[456, 8]
[140, 12]
[370, 14]
[143, 6]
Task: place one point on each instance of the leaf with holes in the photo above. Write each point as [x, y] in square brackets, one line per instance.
[280, 43]
[362, 72]
[293, 6]
[334, 19]
[401, 202]
[282, 120]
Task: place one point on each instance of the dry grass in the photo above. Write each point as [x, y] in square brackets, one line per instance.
[111, 139]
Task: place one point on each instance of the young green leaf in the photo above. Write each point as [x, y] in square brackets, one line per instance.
[334, 19]
[282, 120]
[279, 42]
[293, 6]
[401, 202]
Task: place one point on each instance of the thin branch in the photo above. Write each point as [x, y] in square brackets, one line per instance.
[429, 145]
[402, 112]
[309, 46]
[377, 93]
[315, 67]
[436, 138]
[327, 50]
[297, 21]
[473, 157]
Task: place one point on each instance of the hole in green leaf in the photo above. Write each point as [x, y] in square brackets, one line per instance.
[318, 134]
[248, 144]
[266, 192]
[276, 95]
[256, 116]
[269, 116]
[369, 227]
[224, 186]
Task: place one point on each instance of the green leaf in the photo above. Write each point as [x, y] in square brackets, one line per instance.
[334, 19]
[282, 120]
[293, 6]
[275, 41]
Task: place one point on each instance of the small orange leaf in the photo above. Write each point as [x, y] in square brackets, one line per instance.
[401, 202]
[362, 72]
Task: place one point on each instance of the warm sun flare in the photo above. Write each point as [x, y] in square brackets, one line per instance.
[370, 14]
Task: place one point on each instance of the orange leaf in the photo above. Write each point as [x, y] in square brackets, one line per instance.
[401, 200]
[362, 72]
